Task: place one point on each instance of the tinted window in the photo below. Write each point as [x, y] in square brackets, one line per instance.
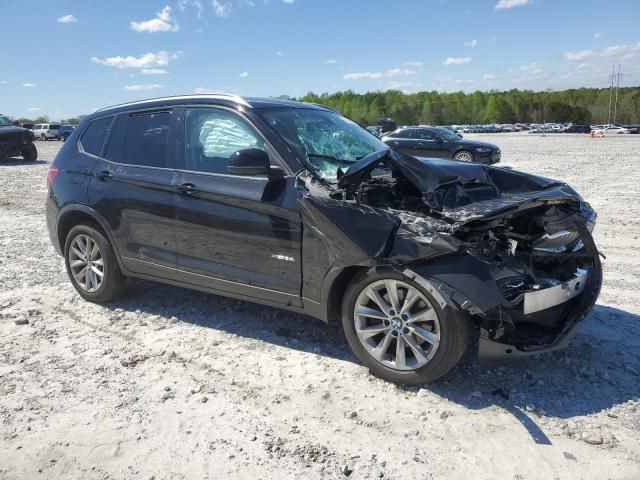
[408, 133]
[54, 127]
[212, 136]
[426, 135]
[93, 137]
[145, 139]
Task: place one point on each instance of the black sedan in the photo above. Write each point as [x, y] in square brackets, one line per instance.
[436, 142]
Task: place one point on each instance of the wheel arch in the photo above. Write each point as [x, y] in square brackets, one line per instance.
[73, 215]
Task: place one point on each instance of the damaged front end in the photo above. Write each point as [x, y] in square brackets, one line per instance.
[514, 251]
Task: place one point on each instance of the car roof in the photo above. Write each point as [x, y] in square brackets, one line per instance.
[221, 99]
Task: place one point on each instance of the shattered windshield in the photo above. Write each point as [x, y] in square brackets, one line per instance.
[326, 140]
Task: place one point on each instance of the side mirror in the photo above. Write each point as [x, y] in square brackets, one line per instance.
[249, 161]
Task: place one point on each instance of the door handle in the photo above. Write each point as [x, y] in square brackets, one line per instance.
[188, 188]
[104, 175]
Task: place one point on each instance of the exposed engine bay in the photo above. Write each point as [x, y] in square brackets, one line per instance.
[513, 250]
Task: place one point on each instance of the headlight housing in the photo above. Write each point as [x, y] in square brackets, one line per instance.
[483, 150]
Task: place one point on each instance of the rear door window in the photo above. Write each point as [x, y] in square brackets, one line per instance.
[140, 139]
[93, 138]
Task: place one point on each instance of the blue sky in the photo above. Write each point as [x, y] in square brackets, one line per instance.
[68, 57]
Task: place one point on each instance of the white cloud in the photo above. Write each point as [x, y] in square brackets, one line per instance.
[201, 90]
[456, 60]
[144, 86]
[404, 87]
[624, 52]
[279, 53]
[197, 4]
[394, 72]
[574, 56]
[29, 85]
[148, 60]
[504, 4]
[162, 23]
[3, 82]
[584, 66]
[288, 1]
[243, 74]
[220, 8]
[533, 68]
[471, 44]
[34, 109]
[152, 71]
[489, 76]
[414, 64]
[330, 61]
[597, 35]
[67, 19]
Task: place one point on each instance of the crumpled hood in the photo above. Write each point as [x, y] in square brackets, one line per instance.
[461, 191]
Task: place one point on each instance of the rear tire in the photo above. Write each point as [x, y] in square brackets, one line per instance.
[29, 152]
[429, 347]
[95, 274]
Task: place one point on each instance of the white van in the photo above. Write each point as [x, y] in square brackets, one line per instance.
[46, 131]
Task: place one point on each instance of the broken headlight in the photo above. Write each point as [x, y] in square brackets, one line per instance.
[564, 240]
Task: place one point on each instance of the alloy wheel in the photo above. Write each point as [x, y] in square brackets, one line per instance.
[86, 263]
[396, 324]
[464, 157]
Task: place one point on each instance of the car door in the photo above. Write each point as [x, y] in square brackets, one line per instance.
[132, 190]
[404, 141]
[237, 234]
[429, 144]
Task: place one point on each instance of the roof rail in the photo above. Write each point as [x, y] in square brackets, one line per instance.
[225, 96]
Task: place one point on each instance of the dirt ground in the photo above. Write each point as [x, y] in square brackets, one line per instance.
[166, 383]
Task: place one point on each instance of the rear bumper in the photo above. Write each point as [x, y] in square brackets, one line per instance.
[51, 215]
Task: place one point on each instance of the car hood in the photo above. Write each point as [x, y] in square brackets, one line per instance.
[10, 129]
[477, 144]
[459, 191]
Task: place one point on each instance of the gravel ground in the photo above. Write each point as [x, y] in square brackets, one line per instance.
[170, 383]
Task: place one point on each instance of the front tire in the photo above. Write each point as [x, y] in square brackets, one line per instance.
[464, 156]
[29, 152]
[399, 331]
[92, 265]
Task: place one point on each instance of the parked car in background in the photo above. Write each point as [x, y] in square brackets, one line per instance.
[16, 141]
[294, 206]
[46, 131]
[576, 129]
[65, 131]
[435, 142]
[613, 130]
[28, 126]
[633, 129]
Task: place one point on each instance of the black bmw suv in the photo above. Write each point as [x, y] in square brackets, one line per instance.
[294, 206]
[438, 142]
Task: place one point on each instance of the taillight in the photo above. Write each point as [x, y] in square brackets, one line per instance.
[51, 175]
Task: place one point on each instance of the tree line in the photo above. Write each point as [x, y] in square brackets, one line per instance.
[580, 105]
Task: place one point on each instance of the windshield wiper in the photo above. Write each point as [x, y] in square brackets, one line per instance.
[329, 157]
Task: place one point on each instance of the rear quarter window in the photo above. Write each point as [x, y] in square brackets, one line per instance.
[93, 138]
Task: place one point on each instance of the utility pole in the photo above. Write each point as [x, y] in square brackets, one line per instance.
[615, 105]
[613, 71]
